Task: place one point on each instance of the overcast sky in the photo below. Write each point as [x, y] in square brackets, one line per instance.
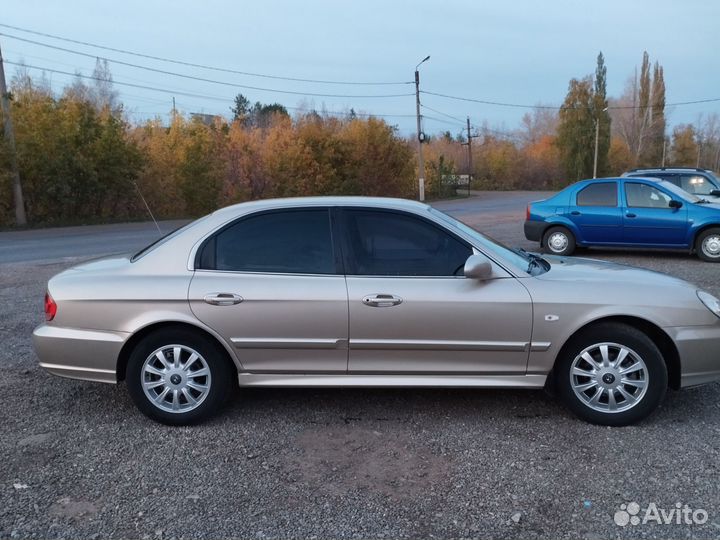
[521, 52]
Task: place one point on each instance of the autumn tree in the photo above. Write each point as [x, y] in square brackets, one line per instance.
[601, 116]
[684, 150]
[576, 131]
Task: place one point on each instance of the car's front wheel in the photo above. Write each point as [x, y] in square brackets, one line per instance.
[611, 374]
[558, 241]
[178, 377]
[708, 245]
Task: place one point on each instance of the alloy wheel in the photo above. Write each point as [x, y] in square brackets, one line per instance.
[609, 377]
[175, 378]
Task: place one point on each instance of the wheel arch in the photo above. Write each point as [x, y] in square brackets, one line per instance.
[669, 351]
[561, 222]
[699, 230]
[132, 342]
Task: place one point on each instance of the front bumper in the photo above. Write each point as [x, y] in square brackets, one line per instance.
[699, 349]
[534, 230]
[89, 355]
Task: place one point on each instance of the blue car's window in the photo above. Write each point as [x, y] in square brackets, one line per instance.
[600, 194]
[645, 196]
[679, 193]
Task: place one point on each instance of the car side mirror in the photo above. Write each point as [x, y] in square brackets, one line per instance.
[675, 204]
[478, 267]
[715, 192]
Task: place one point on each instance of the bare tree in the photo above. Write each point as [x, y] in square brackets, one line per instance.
[538, 123]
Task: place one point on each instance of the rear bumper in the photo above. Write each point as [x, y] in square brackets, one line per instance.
[699, 349]
[534, 230]
[89, 355]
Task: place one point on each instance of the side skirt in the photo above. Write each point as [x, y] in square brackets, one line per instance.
[375, 381]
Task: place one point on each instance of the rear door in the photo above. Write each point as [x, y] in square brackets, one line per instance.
[411, 309]
[648, 218]
[272, 286]
[597, 214]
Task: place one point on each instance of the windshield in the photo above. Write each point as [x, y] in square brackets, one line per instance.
[681, 193]
[519, 258]
[160, 241]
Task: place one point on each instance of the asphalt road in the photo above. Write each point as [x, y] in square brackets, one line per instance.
[78, 461]
[79, 242]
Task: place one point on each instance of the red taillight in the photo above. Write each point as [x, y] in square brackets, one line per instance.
[50, 307]
[527, 213]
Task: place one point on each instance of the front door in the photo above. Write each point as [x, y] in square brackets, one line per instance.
[271, 286]
[649, 219]
[413, 312]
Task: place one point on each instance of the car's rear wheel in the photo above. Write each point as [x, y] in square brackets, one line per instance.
[558, 241]
[177, 377]
[611, 374]
[708, 245]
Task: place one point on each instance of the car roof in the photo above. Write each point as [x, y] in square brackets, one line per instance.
[291, 202]
[665, 170]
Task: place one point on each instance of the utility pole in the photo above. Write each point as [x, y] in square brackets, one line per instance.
[697, 163]
[597, 140]
[664, 145]
[20, 217]
[470, 137]
[420, 134]
[174, 110]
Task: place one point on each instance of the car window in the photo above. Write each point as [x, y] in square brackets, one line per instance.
[289, 241]
[599, 194]
[645, 196]
[397, 244]
[696, 184]
[165, 238]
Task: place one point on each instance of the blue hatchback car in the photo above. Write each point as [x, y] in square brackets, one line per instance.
[625, 212]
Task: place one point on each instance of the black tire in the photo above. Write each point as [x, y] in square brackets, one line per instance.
[707, 245]
[222, 375]
[639, 346]
[565, 247]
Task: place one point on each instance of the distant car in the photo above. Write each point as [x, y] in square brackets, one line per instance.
[700, 182]
[625, 212]
[361, 292]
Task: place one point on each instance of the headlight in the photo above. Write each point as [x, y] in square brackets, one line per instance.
[712, 303]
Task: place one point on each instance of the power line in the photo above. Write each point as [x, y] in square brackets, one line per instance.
[203, 79]
[183, 93]
[426, 117]
[442, 113]
[201, 66]
[556, 108]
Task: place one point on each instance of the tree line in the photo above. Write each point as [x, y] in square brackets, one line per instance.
[81, 160]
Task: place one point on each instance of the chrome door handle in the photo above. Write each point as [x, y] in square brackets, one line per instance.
[222, 299]
[381, 300]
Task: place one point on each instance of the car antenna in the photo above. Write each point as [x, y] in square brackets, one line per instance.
[147, 206]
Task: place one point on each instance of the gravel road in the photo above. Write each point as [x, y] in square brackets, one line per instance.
[78, 460]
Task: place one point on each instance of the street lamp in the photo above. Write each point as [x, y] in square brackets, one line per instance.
[420, 134]
[597, 138]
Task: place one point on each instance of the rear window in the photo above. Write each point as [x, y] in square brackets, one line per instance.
[601, 194]
[289, 241]
[160, 241]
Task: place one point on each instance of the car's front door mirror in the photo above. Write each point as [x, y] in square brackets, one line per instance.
[478, 267]
[715, 192]
[675, 204]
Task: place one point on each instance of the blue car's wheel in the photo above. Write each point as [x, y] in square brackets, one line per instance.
[708, 245]
[558, 241]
